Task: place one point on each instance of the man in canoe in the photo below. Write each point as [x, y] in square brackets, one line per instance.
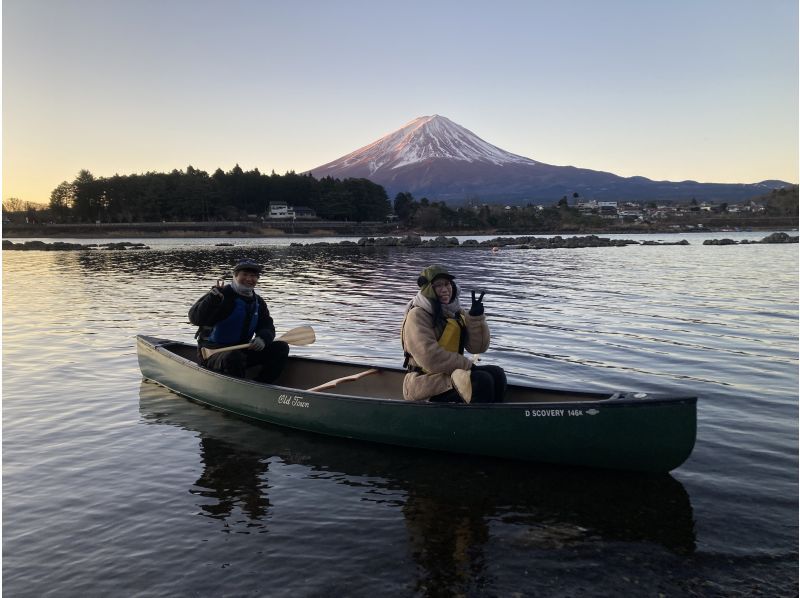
[234, 314]
[435, 332]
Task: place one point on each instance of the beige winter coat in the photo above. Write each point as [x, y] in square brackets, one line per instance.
[419, 339]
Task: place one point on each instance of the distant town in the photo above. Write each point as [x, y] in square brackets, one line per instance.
[627, 212]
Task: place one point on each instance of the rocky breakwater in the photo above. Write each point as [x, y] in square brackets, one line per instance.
[556, 242]
[773, 238]
[496, 243]
[62, 246]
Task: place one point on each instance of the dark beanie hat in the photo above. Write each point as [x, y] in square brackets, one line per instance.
[248, 265]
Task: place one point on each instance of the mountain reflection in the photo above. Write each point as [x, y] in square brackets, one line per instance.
[451, 505]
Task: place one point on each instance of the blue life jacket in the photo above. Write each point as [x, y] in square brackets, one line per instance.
[239, 326]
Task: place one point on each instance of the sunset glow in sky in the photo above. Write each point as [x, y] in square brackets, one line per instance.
[688, 89]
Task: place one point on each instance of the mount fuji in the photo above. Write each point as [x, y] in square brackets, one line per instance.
[434, 157]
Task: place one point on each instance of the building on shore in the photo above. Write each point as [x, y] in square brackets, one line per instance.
[280, 210]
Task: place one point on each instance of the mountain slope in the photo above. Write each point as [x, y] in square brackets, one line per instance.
[423, 139]
[434, 157]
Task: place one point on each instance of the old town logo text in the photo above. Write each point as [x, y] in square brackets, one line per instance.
[292, 401]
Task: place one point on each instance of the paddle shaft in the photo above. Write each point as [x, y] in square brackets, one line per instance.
[302, 335]
[209, 352]
[338, 381]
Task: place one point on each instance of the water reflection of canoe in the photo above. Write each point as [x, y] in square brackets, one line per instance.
[550, 505]
[632, 431]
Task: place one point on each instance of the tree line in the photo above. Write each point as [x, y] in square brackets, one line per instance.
[195, 196]
[437, 215]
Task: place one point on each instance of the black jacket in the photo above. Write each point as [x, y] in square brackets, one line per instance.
[211, 309]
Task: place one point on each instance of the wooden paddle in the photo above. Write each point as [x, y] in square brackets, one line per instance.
[302, 335]
[338, 381]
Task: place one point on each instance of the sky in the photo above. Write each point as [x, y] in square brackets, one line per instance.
[703, 90]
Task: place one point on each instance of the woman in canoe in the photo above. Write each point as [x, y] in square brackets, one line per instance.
[435, 332]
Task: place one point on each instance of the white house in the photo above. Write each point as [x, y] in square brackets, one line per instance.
[280, 209]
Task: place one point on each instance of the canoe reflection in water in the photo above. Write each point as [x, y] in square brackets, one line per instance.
[449, 502]
[232, 478]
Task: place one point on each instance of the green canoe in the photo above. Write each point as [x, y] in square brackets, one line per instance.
[632, 431]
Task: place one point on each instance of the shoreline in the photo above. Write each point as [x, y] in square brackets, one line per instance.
[178, 231]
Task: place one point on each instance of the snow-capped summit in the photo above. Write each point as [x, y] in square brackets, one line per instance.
[433, 157]
[424, 138]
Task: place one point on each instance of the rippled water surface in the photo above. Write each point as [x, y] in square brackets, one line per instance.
[110, 482]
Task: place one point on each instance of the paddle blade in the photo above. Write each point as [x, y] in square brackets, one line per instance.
[302, 335]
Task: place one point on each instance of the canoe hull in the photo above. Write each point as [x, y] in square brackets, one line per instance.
[645, 435]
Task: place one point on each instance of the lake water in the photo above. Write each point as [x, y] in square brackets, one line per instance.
[112, 485]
